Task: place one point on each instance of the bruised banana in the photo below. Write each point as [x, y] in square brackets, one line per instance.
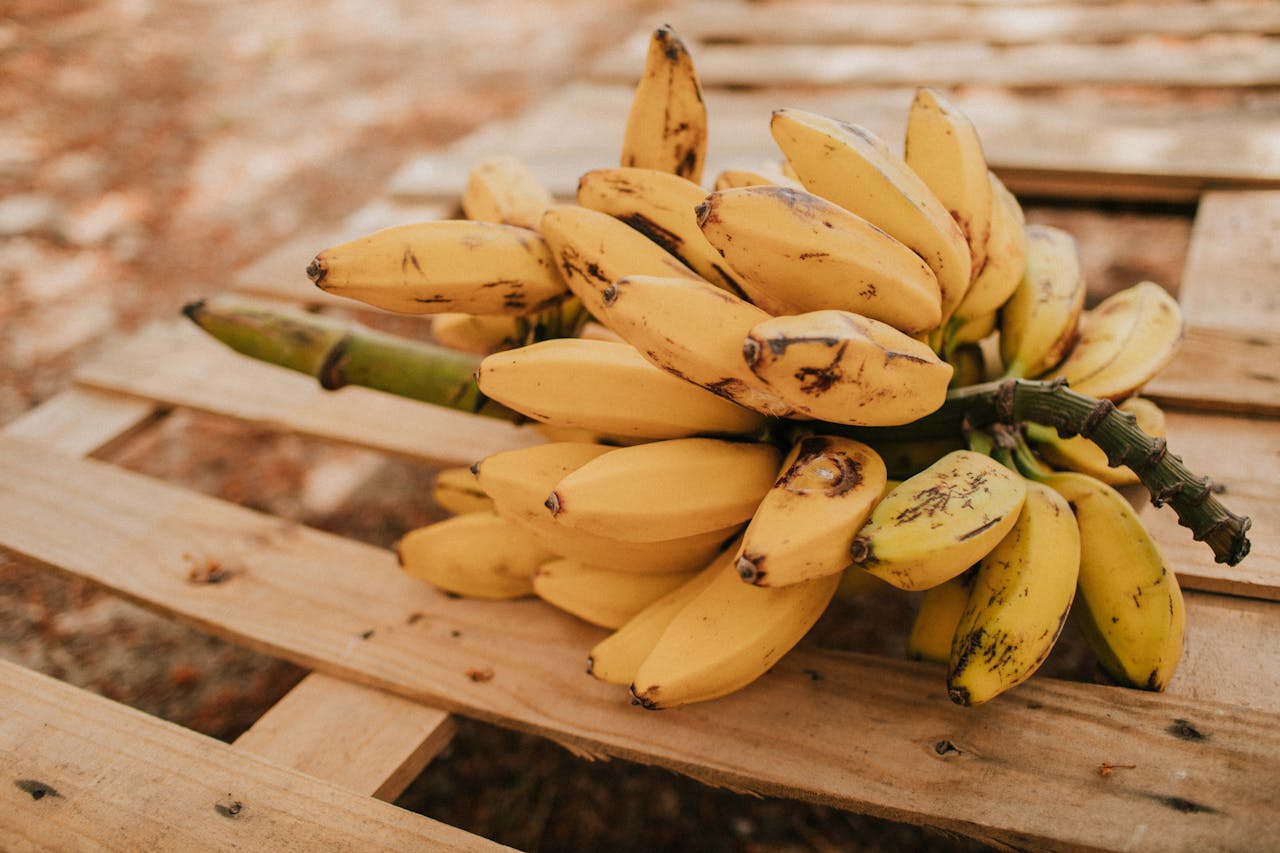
[661, 206]
[601, 596]
[477, 554]
[477, 333]
[805, 524]
[607, 387]
[518, 482]
[694, 330]
[1006, 257]
[448, 265]
[503, 188]
[1039, 322]
[1078, 453]
[726, 637]
[795, 252]
[844, 368]
[666, 125]
[666, 489]
[1022, 592]
[1124, 341]
[457, 491]
[940, 521]
[937, 615]
[943, 148]
[1128, 602]
[852, 167]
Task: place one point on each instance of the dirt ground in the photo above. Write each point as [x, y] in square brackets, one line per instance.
[150, 149]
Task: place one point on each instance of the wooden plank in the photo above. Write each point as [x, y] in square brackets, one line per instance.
[363, 739]
[82, 772]
[1228, 370]
[1226, 643]
[179, 365]
[1232, 276]
[347, 609]
[84, 421]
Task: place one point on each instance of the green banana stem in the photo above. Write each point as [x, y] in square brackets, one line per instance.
[339, 353]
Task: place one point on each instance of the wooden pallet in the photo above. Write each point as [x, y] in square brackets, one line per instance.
[390, 657]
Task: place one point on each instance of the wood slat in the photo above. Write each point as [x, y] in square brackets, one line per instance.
[345, 608]
[85, 421]
[82, 772]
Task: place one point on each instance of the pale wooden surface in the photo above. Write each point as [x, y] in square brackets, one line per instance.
[82, 772]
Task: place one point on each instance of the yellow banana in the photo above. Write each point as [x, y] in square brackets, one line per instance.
[666, 489]
[1128, 601]
[969, 364]
[795, 251]
[601, 596]
[518, 481]
[609, 388]
[852, 167]
[848, 369]
[906, 457]
[1078, 453]
[1021, 595]
[661, 206]
[477, 554]
[1006, 256]
[804, 526]
[694, 330]
[768, 175]
[1038, 323]
[444, 265]
[726, 637]
[480, 334]
[502, 188]
[1124, 340]
[938, 613]
[941, 521]
[457, 491]
[667, 123]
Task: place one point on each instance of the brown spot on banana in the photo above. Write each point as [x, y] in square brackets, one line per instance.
[317, 270]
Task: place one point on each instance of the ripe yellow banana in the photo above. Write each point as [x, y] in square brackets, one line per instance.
[940, 521]
[667, 124]
[1078, 453]
[694, 330]
[1124, 340]
[609, 388]
[768, 175]
[477, 554]
[594, 250]
[795, 251]
[457, 491]
[1021, 595]
[1038, 323]
[666, 489]
[503, 188]
[943, 148]
[848, 369]
[937, 614]
[804, 526]
[518, 481]
[661, 206]
[1128, 601]
[444, 265]
[852, 167]
[726, 637]
[601, 596]
[1006, 256]
[480, 334]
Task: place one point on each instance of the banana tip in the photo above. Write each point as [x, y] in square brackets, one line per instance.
[749, 569]
[553, 503]
[316, 271]
[193, 310]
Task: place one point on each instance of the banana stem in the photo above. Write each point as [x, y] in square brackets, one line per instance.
[339, 353]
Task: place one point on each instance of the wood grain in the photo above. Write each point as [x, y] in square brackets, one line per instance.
[85, 421]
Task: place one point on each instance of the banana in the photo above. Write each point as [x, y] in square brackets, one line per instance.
[694, 330]
[805, 524]
[941, 521]
[906, 457]
[938, 613]
[609, 388]
[1021, 595]
[480, 334]
[601, 596]
[852, 167]
[1128, 602]
[943, 148]
[518, 482]
[848, 369]
[969, 364]
[444, 265]
[477, 554]
[666, 489]
[661, 206]
[1078, 453]
[768, 175]
[616, 658]
[856, 582]
[726, 637]
[1006, 256]
[457, 491]
[594, 250]
[1124, 340]
[1038, 323]
[795, 251]
[502, 188]
[666, 125]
